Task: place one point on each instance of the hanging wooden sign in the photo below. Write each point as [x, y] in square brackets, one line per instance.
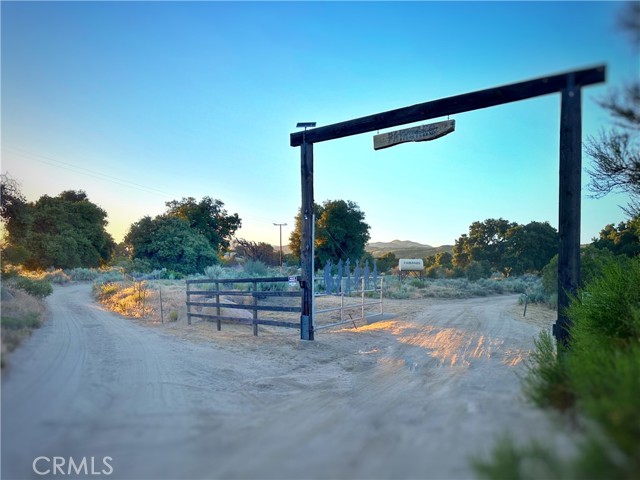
[422, 133]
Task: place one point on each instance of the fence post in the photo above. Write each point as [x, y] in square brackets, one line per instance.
[218, 321]
[255, 310]
[188, 303]
[218, 298]
[143, 293]
[161, 311]
[381, 304]
[362, 298]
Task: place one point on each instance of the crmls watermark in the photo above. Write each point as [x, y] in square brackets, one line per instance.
[71, 466]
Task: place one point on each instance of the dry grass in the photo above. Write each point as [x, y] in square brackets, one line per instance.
[125, 298]
[21, 313]
[174, 308]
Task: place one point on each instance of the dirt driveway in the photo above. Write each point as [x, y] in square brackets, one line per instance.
[412, 397]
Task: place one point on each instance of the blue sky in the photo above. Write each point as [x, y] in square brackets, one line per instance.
[139, 103]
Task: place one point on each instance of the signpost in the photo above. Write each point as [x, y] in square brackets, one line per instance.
[422, 133]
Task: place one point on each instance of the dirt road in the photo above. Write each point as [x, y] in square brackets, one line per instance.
[412, 397]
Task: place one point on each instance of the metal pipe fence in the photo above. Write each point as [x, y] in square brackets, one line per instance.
[345, 308]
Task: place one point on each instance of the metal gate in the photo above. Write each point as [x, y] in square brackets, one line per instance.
[349, 310]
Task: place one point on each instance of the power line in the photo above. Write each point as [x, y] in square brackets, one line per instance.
[101, 176]
[84, 171]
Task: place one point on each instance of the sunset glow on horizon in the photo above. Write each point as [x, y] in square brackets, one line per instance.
[140, 103]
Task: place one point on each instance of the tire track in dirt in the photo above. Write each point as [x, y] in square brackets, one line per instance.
[406, 398]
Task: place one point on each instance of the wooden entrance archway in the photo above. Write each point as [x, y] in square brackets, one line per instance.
[568, 84]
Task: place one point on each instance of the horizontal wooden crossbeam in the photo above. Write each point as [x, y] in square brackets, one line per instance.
[452, 105]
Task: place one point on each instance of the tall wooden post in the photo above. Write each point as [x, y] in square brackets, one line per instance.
[307, 247]
[569, 204]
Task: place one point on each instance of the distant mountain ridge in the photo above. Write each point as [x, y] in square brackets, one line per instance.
[405, 249]
[401, 248]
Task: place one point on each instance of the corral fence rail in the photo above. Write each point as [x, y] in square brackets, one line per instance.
[207, 293]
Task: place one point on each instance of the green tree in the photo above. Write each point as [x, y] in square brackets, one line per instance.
[340, 232]
[207, 217]
[486, 241]
[530, 247]
[506, 246]
[256, 251]
[429, 261]
[444, 260]
[295, 237]
[461, 252]
[621, 240]
[66, 231]
[387, 261]
[169, 242]
[14, 209]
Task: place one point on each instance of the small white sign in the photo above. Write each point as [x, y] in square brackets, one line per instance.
[293, 281]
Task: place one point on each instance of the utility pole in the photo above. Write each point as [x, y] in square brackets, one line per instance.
[280, 225]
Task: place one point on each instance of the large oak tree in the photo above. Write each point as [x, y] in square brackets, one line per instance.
[340, 232]
[66, 231]
[506, 247]
[187, 238]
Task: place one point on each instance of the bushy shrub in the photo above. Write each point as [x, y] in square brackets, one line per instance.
[83, 274]
[493, 286]
[547, 382]
[107, 276]
[455, 272]
[139, 265]
[509, 461]
[477, 270]
[599, 374]
[57, 276]
[217, 271]
[104, 291]
[550, 276]
[272, 286]
[592, 262]
[609, 307]
[517, 286]
[8, 271]
[157, 274]
[31, 320]
[605, 345]
[536, 294]
[435, 271]
[403, 292]
[255, 268]
[37, 288]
